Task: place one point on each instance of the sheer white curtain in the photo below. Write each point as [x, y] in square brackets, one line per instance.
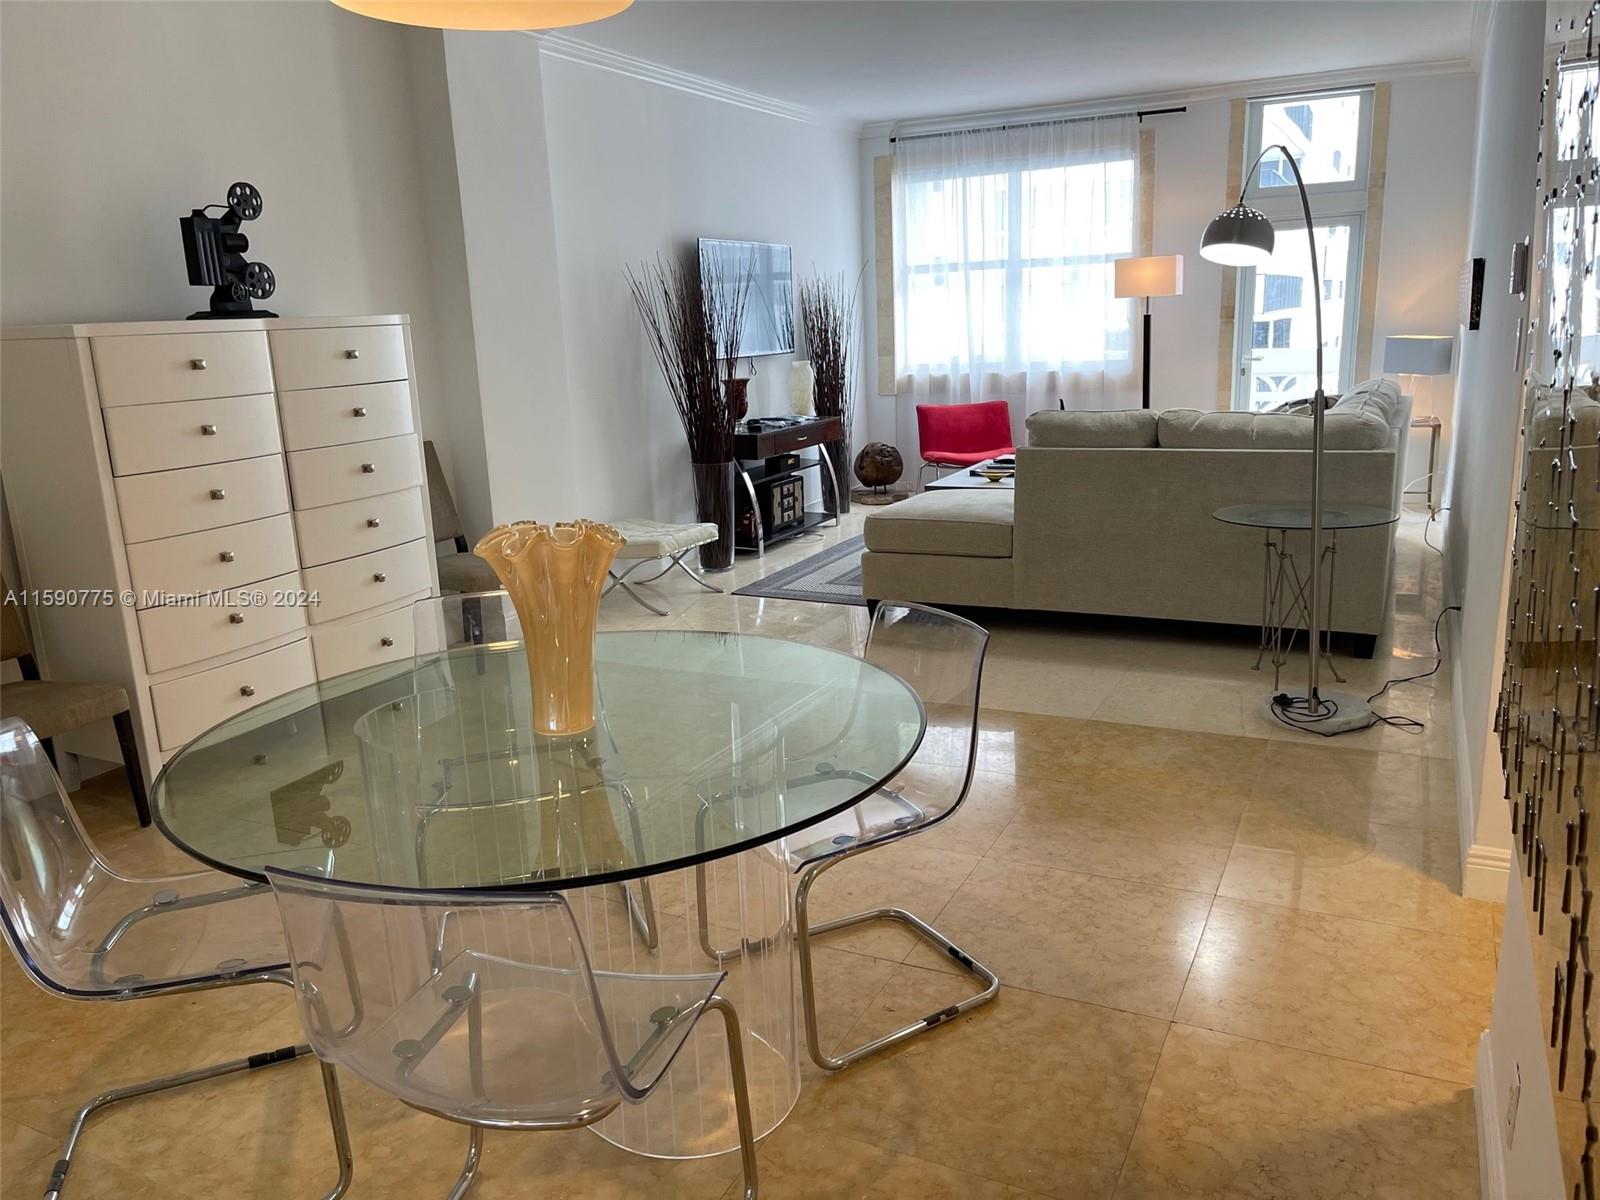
[1003, 244]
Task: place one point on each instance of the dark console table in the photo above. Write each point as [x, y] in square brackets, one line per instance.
[755, 451]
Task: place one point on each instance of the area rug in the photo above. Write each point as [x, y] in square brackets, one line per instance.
[832, 576]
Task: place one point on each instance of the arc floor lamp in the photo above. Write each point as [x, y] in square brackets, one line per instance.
[1243, 237]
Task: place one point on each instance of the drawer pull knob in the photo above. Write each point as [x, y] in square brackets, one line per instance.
[197, 364]
[218, 494]
[235, 618]
[386, 641]
[373, 522]
[208, 430]
[368, 469]
[247, 690]
[352, 354]
[358, 411]
[226, 556]
[380, 576]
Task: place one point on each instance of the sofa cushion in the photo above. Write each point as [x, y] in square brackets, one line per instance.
[959, 521]
[1375, 397]
[1124, 427]
[1188, 429]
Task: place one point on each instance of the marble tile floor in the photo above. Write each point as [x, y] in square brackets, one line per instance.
[1235, 965]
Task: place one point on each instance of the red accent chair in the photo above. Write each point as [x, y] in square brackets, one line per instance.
[963, 435]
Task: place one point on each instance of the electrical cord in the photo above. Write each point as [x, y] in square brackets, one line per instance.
[1286, 715]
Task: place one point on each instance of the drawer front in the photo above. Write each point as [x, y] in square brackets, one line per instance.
[188, 707]
[320, 358]
[177, 634]
[359, 526]
[165, 437]
[367, 643]
[180, 366]
[333, 474]
[167, 503]
[368, 581]
[213, 559]
[338, 416]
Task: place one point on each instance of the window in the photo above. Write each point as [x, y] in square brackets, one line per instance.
[1281, 291]
[1328, 136]
[1004, 245]
[1033, 260]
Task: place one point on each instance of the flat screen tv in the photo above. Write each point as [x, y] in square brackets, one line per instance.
[769, 312]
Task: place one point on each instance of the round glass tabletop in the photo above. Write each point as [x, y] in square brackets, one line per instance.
[1298, 516]
[425, 773]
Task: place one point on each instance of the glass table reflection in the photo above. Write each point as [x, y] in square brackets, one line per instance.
[663, 825]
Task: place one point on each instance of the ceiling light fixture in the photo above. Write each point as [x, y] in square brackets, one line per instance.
[487, 14]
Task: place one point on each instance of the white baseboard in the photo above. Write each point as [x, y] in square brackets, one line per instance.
[1486, 873]
[1486, 1103]
[1485, 870]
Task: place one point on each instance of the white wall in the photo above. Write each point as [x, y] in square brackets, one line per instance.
[117, 118]
[505, 189]
[1488, 410]
[640, 170]
[1523, 1163]
[1432, 121]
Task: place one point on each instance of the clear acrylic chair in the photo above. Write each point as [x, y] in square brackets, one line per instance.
[83, 930]
[483, 1008]
[941, 656]
[467, 783]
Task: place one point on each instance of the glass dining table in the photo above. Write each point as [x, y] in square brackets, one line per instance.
[665, 825]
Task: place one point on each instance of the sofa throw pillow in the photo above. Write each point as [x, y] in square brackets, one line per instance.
[1129, 427]
[1377, 396]
[1340, 431]
[1187, 429]
[1191, 429]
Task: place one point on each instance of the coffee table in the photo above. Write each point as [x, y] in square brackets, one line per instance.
[968, 477]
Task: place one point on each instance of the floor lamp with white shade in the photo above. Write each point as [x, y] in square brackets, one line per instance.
[1244, 237]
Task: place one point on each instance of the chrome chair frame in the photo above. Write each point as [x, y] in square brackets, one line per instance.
[464, 999]
[813, 868]
[135, 987]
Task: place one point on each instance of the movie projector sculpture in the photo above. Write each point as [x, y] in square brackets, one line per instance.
[214, 250]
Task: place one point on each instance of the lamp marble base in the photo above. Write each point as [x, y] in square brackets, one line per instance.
[1339, 712]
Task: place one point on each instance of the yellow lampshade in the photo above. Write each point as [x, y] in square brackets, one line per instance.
[487, 14]
[1158, 275]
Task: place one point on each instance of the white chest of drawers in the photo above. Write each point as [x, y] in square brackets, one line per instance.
[164, 478]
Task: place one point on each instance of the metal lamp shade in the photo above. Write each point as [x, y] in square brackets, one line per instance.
[1240, 237]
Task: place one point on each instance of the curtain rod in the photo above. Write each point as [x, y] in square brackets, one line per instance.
[1140, 113]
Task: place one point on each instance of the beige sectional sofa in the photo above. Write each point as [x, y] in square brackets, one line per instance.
[1112, 515]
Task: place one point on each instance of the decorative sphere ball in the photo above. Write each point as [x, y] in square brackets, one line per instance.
[879, 465]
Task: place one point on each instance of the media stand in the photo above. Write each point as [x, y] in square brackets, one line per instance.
[754, 451]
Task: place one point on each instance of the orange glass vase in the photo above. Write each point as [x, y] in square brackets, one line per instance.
[555, 574]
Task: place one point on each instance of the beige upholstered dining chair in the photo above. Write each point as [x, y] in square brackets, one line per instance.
[459, 570]
[52, 706]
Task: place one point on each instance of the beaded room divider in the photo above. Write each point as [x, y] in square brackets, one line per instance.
[1549, 714]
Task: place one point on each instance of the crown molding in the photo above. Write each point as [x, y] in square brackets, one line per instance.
[571, 49]
[1321, 80]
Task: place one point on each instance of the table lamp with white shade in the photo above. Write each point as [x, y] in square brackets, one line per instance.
[1418, 354]
[1136, 278]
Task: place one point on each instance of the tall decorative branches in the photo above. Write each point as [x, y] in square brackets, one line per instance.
[693, 320]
